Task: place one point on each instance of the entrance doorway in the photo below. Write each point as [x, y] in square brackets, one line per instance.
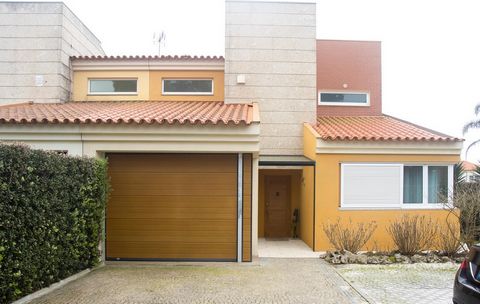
[277, 206]
[286, 206]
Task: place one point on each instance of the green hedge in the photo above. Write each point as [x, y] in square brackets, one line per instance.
[51, 213]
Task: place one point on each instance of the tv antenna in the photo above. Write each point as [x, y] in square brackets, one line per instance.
[159, 38]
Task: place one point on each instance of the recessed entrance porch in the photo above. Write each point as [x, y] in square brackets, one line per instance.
[286, 207]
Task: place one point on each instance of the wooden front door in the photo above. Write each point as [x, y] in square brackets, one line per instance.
[277, 207]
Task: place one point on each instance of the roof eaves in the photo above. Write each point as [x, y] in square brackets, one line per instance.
[453, 138]
[149, 57]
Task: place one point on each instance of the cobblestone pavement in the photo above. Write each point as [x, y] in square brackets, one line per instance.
[263, 281]
[402, 283]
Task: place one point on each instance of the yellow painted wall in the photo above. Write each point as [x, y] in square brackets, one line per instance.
[156, 85]
[80, 85]
[328, 197]
[149, 85]
[309, 141]
[327, 193]
[307, 190]
[295, 196]
[306, 206]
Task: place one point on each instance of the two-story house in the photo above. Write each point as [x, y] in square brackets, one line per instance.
[207, 155]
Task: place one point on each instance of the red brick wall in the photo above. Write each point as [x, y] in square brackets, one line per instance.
[355, 63]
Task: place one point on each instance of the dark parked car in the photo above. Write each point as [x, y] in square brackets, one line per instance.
[466, 289]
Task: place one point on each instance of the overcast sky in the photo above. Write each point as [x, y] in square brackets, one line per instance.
[430, 48]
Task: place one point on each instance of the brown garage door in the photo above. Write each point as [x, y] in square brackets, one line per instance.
[172, 207]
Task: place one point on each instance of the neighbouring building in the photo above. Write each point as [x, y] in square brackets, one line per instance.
[36, 42]
[209, 155]
[471, 172]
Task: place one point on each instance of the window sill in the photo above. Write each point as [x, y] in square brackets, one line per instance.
[423, 206]
[403, 207]
[345, 104]
[187, 94]
[112, 94]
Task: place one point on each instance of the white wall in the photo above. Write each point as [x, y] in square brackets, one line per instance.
[93, 140]
[274, 46]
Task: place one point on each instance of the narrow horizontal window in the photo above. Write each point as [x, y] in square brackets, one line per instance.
[187, 86]
[112, 86]
[340, 98]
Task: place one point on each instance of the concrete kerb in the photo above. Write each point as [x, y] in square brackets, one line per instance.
[44, 291]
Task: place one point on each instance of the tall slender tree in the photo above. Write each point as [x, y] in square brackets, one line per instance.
[458, 174]
[474, 124]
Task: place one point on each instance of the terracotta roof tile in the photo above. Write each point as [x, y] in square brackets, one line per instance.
[139, 112]
[375, 128]
[468, 166]
[151, 57]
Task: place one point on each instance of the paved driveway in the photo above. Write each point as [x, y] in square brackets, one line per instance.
[263, 281]
[402, 283]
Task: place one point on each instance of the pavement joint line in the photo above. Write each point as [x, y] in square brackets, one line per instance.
[355, 288]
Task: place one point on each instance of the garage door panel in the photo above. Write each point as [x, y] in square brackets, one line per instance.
[173, 213]
[168, 206]
[169, 225]
[173, 163]
[172, 201]
[180, 189]
[204, 179]
[152, 250]
[172, 236]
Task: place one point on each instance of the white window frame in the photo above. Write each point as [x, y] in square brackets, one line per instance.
[188, 93]
[343, 104]
[112, 93]
[401, 205]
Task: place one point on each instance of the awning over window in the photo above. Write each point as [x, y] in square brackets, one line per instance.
[285, 160]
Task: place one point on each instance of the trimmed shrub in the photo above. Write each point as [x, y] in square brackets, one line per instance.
[413, 234]
[51, 213]
[349, 236]
[449, 238]
[465, 211]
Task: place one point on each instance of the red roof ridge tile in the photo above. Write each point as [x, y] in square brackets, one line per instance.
[16, 103]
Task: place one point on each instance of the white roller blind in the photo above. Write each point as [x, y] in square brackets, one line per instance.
[371, 185]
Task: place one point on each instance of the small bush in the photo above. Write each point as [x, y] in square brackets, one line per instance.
[51, 212]
[349, 236]
[413, 234]
[449, 238]
[465, 210]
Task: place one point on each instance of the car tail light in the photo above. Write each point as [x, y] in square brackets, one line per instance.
[464, 265]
